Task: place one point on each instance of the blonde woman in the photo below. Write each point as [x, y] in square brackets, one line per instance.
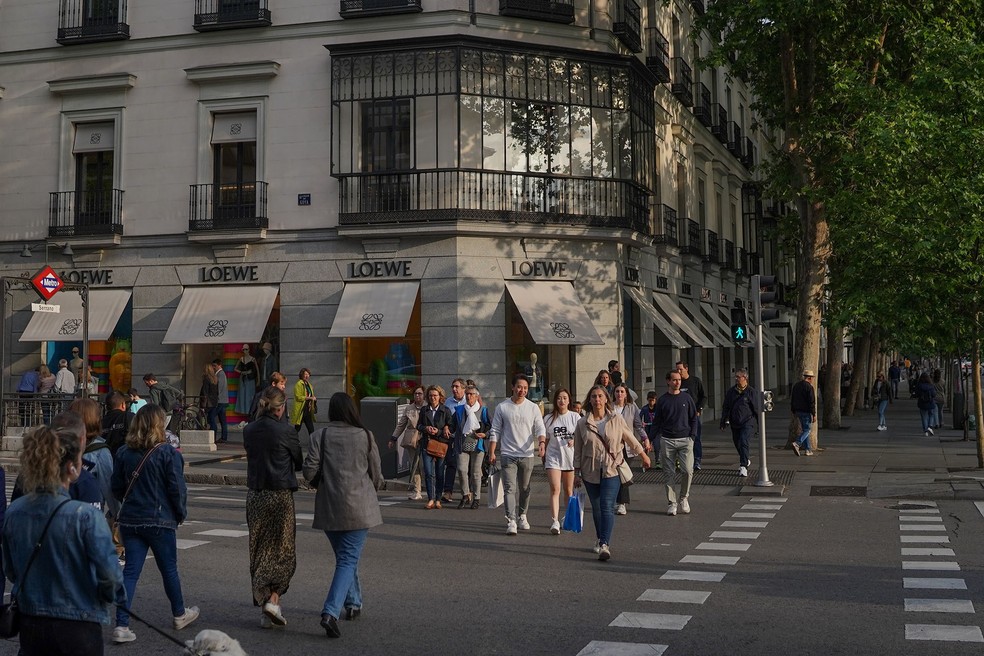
[148, 480]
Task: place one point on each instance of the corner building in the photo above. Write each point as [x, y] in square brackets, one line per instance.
[387, 191]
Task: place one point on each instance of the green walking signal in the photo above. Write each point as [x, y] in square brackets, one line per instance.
[739, 325]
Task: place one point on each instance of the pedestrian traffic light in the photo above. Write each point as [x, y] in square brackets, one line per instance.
[766, 291]
[767, 403]
[739, 325]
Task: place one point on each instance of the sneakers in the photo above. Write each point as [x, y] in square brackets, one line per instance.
[123, 634]
[684, 506]
[926, 434]
[671, 510]
[604, 553]
[273, 612]
[796, 448]
[620, 509]
[808, 453]
[882, 427]
[511, 528]
[191, 614]
[265, 622]
[696, 466]
[931, 432]
[415, 496]
[555, 527]
[597, 547]
[523, 524]
[742, 471]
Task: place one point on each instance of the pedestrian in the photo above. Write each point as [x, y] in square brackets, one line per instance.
[97, 458]
[558, 458]
[73, 580]
[167, 398]
[517, 428]
[221, 401]
[435, 423]
[135, 401]
[456, 400]
[208, 399]
[305, 405]
[939, 398]
[472, 423]
[926, 402]
[803, 401]
[882, 394]
[604, 378]
[273, 456]
[577, 408]
[64, 379]
[895, 377]
[615, 372]
[27, 388]
[408, 437]
[346, 505]
[116, 422]
[623, 405]
[675, 420]
[693, 386]
[599, 442]
[148, 480]
[742, 408]
[646, 415]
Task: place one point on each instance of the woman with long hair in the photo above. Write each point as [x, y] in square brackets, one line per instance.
[273, 455]
[75, 577]
[148, 480]
[408, 436]
[604, 379]
[304, 407]
[622, 404]
[208, 399]
[97, 455]
[435, 422]
[346, 505]
[558, 459]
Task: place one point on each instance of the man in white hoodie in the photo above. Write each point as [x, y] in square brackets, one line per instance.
[518, 430]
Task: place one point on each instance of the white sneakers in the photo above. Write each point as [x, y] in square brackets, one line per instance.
[882, 427]
[123, 634]
[929, 432]
[273, 612]
[684, 506]
[742, 471]
[597, 547]
[604, 553]
[511, 528]
[414, 496]
[189, 616]
[620, 509]
[671, 510]
[555, 527]
[523, 524]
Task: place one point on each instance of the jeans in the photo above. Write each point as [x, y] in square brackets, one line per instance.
[137, 540]
[450, 465]
[741, 436]
[939, 415]
[881, 411]
[623, 492]
[345, 590]
[516, 472]
[48, 636]
[470, 473]
[806, 421]
[602, 496]
[677, 449]
[926, 414]
[216, 418]
[895, 388]
[434, 473]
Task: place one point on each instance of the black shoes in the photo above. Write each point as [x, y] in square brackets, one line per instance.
[474, 504]
[352, 613]
[461, 504]
[330, 625]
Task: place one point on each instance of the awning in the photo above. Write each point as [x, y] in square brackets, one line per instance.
[552, 312]
[723, 323]
[648, 309]
[234, 128]
[105, 308]
[675, 315]
[767, 338]
[693, 309]
[375, 309]
[94, 137]
[220, 315]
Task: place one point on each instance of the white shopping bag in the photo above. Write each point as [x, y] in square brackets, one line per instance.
[497, 495]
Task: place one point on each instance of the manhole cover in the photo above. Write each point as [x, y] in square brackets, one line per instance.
[838, 491]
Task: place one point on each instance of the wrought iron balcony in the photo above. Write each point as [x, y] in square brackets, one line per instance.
[730, 261]
[666, 226]
[719, 127]
[360, 8]
[450, 195]
[81, 213]
[698, 6]
[735, 144]
[702, 108]
[683, 82]
[240, 206]
[628, 24]
[211, 15]
[92, 21]
[689, 237]
[658, 54]
[749, 155]
[711, 247]
[555, 11]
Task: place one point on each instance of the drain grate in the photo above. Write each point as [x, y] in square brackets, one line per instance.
[838, 491]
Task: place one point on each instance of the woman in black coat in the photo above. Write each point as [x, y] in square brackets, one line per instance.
[437, 426]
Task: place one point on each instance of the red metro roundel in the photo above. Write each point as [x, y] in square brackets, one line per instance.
[47, 283]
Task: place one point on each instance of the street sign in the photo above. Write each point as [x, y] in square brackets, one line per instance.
[47, 283]
[44, 307]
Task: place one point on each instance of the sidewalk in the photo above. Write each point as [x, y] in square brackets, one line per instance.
[897, 463]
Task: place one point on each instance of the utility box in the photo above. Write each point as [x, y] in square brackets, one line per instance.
[380, 414]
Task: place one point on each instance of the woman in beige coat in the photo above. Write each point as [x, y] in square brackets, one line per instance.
[598, 442]
[342, 460]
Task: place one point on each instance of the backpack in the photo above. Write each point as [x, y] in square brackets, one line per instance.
[171, 397]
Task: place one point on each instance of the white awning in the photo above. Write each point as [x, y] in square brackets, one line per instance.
[715, 313]
[94, 137]
[693, 309]
[375, 309]
[552, 312]
[220, 315]
[648, 309]
[679, 319]
[233, 128]
[767, 338]
[105, 308]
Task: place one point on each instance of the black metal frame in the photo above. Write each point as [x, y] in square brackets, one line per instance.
[91, 21]
[627, 25]
[683, 82]
[658, 55]
[363, 8]
[666, 226]
[80, 213]
[554, 11]
[213, 15]
[206, 213]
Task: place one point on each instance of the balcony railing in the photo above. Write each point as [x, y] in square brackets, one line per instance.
[683, 82]
[749, 154]
[666, 226]
[698, 6]
[751, 266]
[658, 54]
[82, 213]
[689, 237]
[211, 15]
[734, 143]
[240, 206]
[729, 255]
[711, 247]
[702, 108]
[359, 8]
[450, 195]
[555, 11]
[91, 21]
[628, 24]
[719, 128]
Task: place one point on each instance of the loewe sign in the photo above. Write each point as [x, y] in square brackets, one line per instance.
[381, 269]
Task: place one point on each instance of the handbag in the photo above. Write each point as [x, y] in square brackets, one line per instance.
[497, 493]
[436, 448]
[10, 613]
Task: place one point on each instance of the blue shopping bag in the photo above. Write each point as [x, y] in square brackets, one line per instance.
[574, 519]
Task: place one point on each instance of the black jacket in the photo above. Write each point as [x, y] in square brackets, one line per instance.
[803, 398]
[442, 417]
[115, 426]
[695, 388]
[741, 408]
[273, 455]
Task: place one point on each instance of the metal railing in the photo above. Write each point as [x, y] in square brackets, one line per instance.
[702, 106]
[90, 21]
[666, 226]
[711, 250]
[719, 127]
[81, 213]
[698, 6]
[749, 155]
[357, 8]
[30, 410]
[735, 143]
[689, 236]
[627, 25]
[228, 206]
[729, 255]
[683, 82]
[658, 54]
[751, 266]
[556, 11]
[231, 14]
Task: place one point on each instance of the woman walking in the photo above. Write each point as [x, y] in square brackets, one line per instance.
[408, 436]
[598, 442]
[881, 394]
[939, 400]
[66, 591]
[558, 459]
[436, 424]
[343, 459]
[472, 424]
[926, 402]
[148, 480]
[623, 405]
[305, 405]
[208, 399]
[273, 455]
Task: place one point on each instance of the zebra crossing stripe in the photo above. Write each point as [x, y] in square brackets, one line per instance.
[930, 564]
[723, 546]
[651, 621]
[943, 632]
[924, 504]
[711, 560]
[920, 518]
[918, 583]
[922, 527]
[675, 596]
[939, 606]
[760, 506]
[917, 551]
[738, 535]
[920, 511]
[768, 500]
[744, 524]
[686, 575]
[603, 648]
[914, 539]
[754, 515]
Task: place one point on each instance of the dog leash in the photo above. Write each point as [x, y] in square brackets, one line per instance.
[151, 626]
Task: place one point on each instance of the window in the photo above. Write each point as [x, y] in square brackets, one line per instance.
[702, 202]
[234, 167]
[93, 151]
[386, 135]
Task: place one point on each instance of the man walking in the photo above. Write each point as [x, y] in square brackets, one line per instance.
[742, 406]
[691, 385]
[804, 406]
[453, 402]
[517, 428]
[675, 422]
[222, 383]
[64, 379]
[895, 377]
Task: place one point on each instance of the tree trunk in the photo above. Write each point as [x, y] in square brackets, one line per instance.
[832, 387]
[975, 374]
[858, 376]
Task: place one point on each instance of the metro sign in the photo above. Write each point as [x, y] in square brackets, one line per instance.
[47, 283]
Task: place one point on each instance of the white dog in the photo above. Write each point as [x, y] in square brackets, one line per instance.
[209, 642]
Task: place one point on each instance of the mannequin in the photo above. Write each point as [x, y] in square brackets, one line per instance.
[76, 364]
[269, 364]
[249, 373]
[535, 376]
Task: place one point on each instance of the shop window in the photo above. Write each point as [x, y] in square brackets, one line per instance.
[554, 364]
[385, 366]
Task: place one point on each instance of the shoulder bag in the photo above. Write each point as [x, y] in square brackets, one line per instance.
[10, 613]
[624, 470]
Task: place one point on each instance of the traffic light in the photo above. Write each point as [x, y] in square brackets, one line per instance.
[766, 290]
[768, 401]
[739, 325]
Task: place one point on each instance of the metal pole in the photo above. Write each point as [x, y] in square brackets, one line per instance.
[763, 479]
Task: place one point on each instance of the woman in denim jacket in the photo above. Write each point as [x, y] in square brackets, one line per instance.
[66, 593]
[151, 508]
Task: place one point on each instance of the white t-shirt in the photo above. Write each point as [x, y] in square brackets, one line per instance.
[560, 433]
[516, 427]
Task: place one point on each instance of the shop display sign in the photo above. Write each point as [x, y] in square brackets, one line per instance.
[539, 269]
[380, 269]
[47, 283]
[240, 273]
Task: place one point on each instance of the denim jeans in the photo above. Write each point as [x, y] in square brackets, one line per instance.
[741, 436]
[137, 540]
[516, 472]
[881, 411]
[939, 415]
[345, 590]
[602, 496]
[806, 421]
[216, 419]
[434, 473]
[895, 388]
[677, 449]
[926, 414]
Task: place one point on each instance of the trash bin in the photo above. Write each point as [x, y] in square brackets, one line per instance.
[959, 412]
[380, 414]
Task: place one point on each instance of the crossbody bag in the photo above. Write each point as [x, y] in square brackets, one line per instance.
[624, 470]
